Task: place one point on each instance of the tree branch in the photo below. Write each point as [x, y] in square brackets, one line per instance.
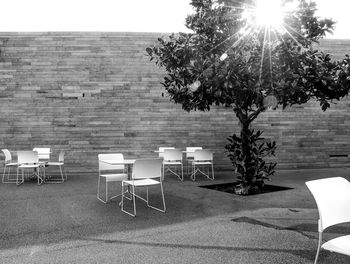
[255, 114]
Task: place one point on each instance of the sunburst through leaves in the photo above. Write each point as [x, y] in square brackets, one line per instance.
[268, 18]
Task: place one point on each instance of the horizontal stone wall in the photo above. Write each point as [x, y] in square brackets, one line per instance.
[90, 93]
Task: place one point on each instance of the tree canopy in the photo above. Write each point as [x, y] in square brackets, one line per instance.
[228, 61]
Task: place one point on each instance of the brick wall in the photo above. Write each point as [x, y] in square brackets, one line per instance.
[91, 93]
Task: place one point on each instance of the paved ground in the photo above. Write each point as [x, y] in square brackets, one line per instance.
[65, 223]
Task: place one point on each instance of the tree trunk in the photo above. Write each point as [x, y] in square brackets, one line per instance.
[246, 151]
[249, 165]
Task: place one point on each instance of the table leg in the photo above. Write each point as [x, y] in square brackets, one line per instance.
[128, 188]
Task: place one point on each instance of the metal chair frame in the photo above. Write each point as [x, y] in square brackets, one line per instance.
[145, 173]
[173, 158]
[29, 160]
[202, 158]
[189, 157]
[60, 165]
[110, 177]
[7, 167]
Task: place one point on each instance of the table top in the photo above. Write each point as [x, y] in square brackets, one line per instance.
[125, 162]
[183, 151]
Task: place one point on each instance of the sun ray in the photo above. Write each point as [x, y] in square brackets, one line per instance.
[240, 5]
[298, 33]
[262, 57]
[236, 43]
[221, 43]
[270, 59]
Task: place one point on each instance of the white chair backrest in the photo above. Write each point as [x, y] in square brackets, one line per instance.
[103, 160]
[203, 155]
[147, 168]
[44, 153]
[190, 151]
[61, 156]
[332, 196]
[8, 157]
[27, 157]
[161, 151]
[172, 155]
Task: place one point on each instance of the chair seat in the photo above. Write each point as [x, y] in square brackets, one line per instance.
[142, 182]
[172, 162]
[53, 163]
[339, 245]
[11, 164]
[202, 162]
[114, 176]
[29, 166]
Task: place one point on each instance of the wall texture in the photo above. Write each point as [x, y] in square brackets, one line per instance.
[91, 93]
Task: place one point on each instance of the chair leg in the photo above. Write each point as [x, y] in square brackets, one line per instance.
[122, 201]
[17, 183]
[182, 172]
[40, 177]
[65, 173]
[6, 175]
[43, 176]
[163, 199]
[3, 175]
[212, 171]
[17, 179]
[98, 190]
[106, 191]
[147, 196]
[22, 180]
[61, 173]
[193, 175]
[319, 246]
[133, 198]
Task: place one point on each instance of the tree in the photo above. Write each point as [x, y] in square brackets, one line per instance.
[233, 57]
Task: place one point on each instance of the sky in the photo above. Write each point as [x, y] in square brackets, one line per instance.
[126, 15]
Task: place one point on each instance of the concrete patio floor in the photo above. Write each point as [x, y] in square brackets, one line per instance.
[65, 223]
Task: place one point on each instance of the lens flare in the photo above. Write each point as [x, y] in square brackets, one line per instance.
[223, 57]
[194, 86]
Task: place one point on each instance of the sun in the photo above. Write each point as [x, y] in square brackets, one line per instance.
[269, 13]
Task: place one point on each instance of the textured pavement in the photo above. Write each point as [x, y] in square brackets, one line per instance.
[65, 223]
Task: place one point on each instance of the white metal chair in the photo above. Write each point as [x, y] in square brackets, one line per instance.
[110, 172]
[332, 196]
[43, 153]
[173, 159]
[202, 158]
[190, 152]
[60, 165]
[7, 166]
[28, 160]
[189, 156]
[161, 151]
[146, 172]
